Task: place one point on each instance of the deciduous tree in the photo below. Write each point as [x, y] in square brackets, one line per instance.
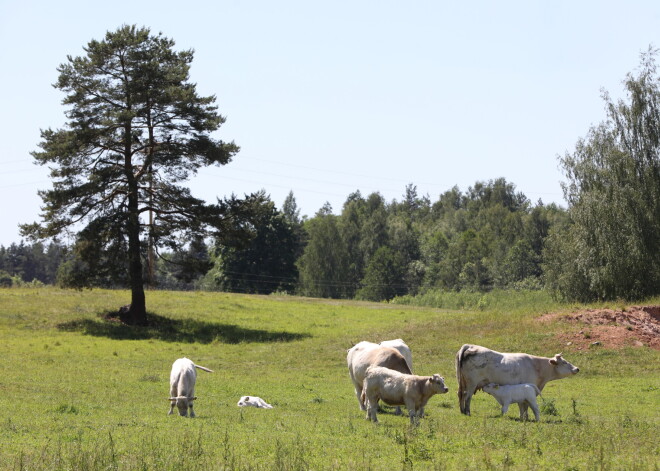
[612, 248]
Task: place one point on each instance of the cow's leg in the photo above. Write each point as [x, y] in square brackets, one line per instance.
[371, 404]
[173, 393]
[505, 408]
[468, 398]
[523, 410]
[397, 411]
[535, 408]
[372, 410]
[412, 411]
[360, 397]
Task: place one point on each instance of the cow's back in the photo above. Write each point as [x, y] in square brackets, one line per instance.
[183, 377]
[402, 348]
[482, 365]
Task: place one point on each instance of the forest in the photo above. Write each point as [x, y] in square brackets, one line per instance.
[487, 237]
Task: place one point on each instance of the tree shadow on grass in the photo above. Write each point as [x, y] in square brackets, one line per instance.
[175, 330]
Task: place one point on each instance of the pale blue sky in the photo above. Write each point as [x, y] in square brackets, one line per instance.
[326, 98]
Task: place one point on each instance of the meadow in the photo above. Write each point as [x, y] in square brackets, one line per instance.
[78, 392]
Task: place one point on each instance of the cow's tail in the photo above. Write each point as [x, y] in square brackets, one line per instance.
[460, 377]
[538, 391]
[203, 368]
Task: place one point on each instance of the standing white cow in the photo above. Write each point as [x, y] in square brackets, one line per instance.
[365, 354]
[477, 366]
[182, 386]
[515, 393]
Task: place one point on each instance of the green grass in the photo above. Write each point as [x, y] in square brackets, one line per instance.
[79, 393]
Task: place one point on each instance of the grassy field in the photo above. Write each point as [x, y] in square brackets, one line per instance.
[78, 393]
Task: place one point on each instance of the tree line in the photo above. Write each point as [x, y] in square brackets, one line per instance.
[487, 237]
[137, 129]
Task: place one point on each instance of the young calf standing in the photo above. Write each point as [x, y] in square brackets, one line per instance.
[524, 394]
[399, 389]
[182, 386]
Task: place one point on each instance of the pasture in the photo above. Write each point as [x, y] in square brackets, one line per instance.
[81, 393]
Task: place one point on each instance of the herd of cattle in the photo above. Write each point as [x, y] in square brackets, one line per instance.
[384, 372]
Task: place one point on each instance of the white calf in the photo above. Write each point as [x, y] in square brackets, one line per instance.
[398, 389]
[182, 386]
[253, 401]
[524, 394]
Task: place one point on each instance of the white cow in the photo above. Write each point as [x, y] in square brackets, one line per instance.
[515, 393]
[477, 366]
[253, 401]
[182, 386]
[365, 354]
[403, 349]
[398, 389]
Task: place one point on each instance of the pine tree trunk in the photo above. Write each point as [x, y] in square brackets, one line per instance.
[137, 313]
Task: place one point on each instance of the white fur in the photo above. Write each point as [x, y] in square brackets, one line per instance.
[253, 401]
[182, 386]
[515, 394]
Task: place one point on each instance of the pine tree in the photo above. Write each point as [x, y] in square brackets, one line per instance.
[136, 128]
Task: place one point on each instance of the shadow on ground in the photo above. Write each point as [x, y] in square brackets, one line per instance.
[173, 330]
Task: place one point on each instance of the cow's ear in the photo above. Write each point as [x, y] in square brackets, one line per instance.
[497, 386]
[553, 361]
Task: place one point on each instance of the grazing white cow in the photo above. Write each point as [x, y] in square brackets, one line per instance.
[365, 354]
[182, 386]
[515, 393]
[477, 366]
[253, 401]
[399, 389]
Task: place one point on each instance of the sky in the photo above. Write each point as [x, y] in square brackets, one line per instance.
[328, 98]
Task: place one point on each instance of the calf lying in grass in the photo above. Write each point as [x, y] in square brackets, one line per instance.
[522, 394]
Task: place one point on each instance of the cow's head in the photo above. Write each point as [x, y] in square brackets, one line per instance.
[244, 401]
[490, 388]
[438, 382]
[563, 367]
[183, 403]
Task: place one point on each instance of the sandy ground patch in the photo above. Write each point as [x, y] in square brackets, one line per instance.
[635, 326]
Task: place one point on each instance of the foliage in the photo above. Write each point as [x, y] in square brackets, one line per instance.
[183, 269]
[489, 237]
[35, 261]
[384, 276]
[324, 264]
[267, 262]
[109, 412]
[612, 248]
[5, 280]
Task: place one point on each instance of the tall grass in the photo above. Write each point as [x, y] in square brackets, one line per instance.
[496, 300]
[78, 392]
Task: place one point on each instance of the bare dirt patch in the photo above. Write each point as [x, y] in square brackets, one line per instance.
[635, 326]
